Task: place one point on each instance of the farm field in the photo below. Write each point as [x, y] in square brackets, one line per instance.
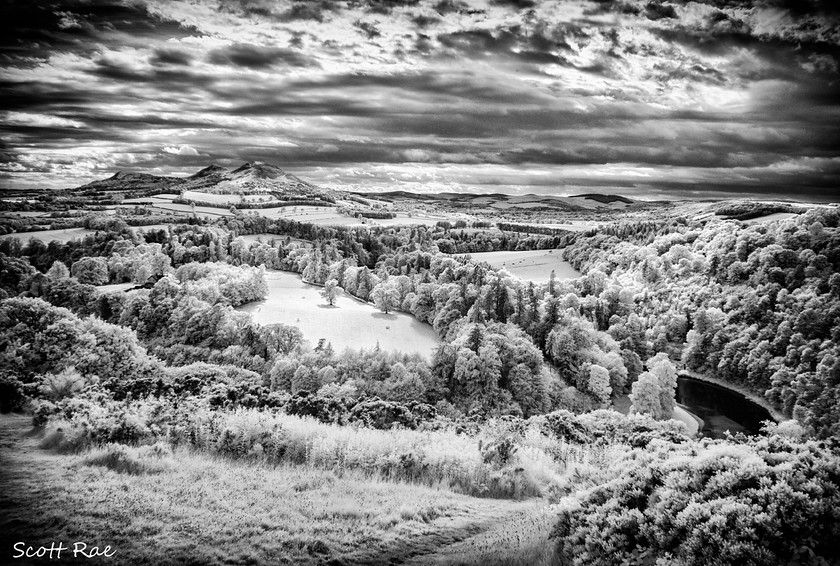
[187, 209]
[23, 214]
[226, 198]
[68, 234]
[63, 236]
[532, 265]
[348, 324]
[163, 197]
[318, 215]
[403, 219]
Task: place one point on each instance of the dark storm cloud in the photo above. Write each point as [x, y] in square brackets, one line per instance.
[166, 56]
[657, 11]
[258, 57]
[518, 4]
[37, 28]
[368, 28]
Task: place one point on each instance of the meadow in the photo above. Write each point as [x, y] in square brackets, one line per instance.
[158, 506]
[350, 323]
[46, 236]
[69, 234]
[531, 265]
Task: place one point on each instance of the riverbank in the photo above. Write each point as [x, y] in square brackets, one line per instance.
[750, 395]
[692, 422]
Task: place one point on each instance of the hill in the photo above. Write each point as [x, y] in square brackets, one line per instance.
[254, 177]
[122, 181]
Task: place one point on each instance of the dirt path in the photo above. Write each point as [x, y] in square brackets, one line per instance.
[456, 540]
[518, 537]
[27, 480]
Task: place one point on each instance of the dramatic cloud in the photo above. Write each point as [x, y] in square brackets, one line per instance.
[181, 150]
[640, 97]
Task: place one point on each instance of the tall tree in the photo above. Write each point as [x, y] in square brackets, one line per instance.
[330, 291]
[645, 396]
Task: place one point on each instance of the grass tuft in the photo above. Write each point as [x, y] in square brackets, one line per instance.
[127, 460]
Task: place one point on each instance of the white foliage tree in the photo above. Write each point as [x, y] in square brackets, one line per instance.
[330, 291]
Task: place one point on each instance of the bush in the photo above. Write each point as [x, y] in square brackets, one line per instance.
[61, 385]
[324, 408]
[564, 425]
[376, 413]
[768, 501]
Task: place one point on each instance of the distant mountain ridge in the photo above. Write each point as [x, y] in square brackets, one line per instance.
[266, 179]
[253, 177]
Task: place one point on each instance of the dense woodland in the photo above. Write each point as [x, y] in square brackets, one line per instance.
[754, 305]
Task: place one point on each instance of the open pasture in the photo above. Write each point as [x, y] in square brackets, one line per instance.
[771, 217]
[531, 265]
[65, 235]
[350, 323]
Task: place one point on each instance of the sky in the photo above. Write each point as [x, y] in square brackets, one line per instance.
[643, 98]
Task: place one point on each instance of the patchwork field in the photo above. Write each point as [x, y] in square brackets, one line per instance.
[68, 234]
[188, 209]
[63, 236]
[532, 265]
[348, 324]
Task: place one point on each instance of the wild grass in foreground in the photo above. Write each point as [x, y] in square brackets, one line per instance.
[502, 459]
[157, 507]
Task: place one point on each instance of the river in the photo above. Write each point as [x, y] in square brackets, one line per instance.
[720, 408]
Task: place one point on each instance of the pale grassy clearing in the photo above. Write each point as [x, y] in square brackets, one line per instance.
[185, 507]
[150, 227]
[70, 234]
[23, 214]
[226, 199]
[163, 197]
[46, 236]
[116, 287]
[531, 265]
[771, 217]
[403, 219]
[188, 209]
[350, 323]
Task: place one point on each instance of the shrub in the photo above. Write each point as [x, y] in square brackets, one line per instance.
[768, 501]
[60, 385]
[324, 408]
[564, 425]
